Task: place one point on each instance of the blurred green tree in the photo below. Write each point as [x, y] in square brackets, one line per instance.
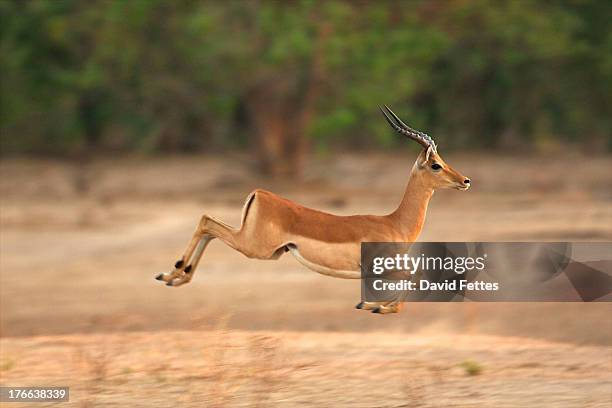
[154, 75]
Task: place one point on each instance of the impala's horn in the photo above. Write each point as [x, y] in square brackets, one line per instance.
[396, 123]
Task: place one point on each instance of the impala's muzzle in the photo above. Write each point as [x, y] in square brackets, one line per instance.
[464, 185]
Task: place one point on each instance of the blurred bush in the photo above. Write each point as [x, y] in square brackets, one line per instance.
[158, 75]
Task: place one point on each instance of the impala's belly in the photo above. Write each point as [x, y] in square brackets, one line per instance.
[340, 256]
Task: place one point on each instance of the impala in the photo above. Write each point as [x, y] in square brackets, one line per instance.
[327, 244]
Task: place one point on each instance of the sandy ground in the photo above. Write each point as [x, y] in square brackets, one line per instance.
[291, 369]
[77, 288]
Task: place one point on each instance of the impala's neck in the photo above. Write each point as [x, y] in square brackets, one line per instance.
[410, 214]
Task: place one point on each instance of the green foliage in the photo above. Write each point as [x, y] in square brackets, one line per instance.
[161, 75]
[471, 367]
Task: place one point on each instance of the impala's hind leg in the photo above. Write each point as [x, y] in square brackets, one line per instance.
[181, 264]
[188, 272]
[208, 229]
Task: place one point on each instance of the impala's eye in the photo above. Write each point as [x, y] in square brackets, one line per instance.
[436, 166]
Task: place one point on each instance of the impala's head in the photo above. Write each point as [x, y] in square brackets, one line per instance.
[429, 166]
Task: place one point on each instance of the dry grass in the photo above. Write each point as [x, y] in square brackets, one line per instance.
[94, 371]
[227, 368]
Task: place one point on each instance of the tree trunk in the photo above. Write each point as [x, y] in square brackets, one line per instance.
[281, 109]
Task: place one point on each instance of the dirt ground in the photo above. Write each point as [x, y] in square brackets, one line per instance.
[79, 247]
[293, 369]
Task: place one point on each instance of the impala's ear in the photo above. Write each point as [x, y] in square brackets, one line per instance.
[424, 156]
[428, 153]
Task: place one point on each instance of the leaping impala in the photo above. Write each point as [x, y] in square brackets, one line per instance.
[326, 243]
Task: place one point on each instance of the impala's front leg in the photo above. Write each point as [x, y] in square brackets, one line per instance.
[381, 307]
[363, 305]
[393, 306]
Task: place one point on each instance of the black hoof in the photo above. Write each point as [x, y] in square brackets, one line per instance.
[359, 305]
[188, 269]
[179, 264]
[377, 310]
[160, 276]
